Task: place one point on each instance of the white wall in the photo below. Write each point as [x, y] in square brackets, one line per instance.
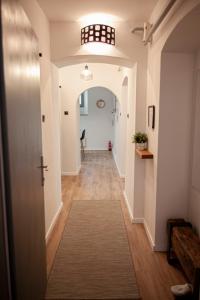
[116, 132]
[129, 193]
[49, 108]
[175, 140]
[120, 144]
[98, 123]
[123, 128]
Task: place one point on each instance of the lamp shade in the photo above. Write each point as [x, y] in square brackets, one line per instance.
[98, 33]
[86, 74]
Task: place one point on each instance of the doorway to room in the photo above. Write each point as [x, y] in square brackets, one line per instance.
[97, 119]
[102, 124]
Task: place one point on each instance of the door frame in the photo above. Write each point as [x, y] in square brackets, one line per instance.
[5, 270]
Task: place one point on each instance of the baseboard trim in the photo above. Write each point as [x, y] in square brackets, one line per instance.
[73, 173]
[133, 220]
[53, 223]
[138, 220]
[96, 149]
[69, 173]
[149, 236]
[120, 174]
[128, 206]
[78, 171]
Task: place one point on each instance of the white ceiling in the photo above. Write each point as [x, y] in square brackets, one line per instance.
[186, 38]
[73, 10]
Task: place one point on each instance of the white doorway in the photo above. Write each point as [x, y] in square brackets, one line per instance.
[97, 118]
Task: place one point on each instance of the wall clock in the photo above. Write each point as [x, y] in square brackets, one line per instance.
[101, 103]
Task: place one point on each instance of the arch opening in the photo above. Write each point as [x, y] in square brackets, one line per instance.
[179, 134]
[96, 109]
[103, 124]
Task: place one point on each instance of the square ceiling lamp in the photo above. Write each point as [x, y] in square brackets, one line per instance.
[98, 33]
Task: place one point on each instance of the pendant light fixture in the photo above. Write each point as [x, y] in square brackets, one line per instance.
[98, 33]
[86, 74]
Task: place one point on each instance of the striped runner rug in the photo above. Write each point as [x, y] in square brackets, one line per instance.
[93, 260]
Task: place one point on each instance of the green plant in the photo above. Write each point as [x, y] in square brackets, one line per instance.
[140, 137]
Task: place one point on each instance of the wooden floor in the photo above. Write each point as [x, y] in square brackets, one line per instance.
[99, 180]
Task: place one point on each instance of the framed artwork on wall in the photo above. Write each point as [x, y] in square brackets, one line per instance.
[151, 116]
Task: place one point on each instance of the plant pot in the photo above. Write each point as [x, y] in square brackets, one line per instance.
[141, 146]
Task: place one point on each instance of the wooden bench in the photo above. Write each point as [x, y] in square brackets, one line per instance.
[184, 245]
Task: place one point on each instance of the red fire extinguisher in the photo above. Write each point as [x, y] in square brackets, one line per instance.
[109, 146]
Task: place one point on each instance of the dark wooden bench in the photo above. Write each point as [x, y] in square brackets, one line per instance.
[184, 245]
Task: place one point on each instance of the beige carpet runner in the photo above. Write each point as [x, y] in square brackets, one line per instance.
[93, 260]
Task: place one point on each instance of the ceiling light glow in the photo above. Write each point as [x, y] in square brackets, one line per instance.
[98, 18]
[97, 48]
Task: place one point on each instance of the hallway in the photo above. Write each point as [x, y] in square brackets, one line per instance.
[99, 180]
[109, 212]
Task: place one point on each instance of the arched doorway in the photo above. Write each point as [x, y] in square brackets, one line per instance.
[72, 87]
[178, 191]
[105, 124]
[97, 111]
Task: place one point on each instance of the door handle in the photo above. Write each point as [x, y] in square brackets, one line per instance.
[42, 167]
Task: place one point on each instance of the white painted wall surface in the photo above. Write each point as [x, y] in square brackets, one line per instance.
[50, 108]
[117, 137]
[116, 132]
[175, 140]
[129, 190]
[98, 123]
[123, 127]
[120, 142]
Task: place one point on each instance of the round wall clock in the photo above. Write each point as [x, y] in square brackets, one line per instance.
[101, 103]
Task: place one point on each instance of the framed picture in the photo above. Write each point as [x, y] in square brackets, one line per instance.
[151, 116]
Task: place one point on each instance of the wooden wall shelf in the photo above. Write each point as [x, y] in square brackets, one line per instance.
[144, 154]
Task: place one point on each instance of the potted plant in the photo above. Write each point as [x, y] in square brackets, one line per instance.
[140, 139]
